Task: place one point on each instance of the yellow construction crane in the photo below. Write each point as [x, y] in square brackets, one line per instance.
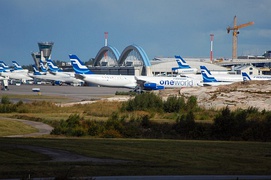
[235, 32]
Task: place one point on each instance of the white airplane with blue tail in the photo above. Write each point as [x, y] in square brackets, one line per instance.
[18, 68]
[54, 79]
[211, 80]
[20, 74]
[83, 73]
[67, 76]
[183, 68]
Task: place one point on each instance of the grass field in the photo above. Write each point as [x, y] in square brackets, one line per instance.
[8, 128]
[142, 156]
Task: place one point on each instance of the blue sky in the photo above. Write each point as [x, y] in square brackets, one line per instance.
[163, 28]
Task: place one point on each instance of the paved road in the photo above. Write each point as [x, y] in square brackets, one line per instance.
[78, 93]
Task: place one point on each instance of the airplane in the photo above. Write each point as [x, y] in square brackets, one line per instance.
[160, 83]
[18, 68]
[183, 68]
[83, 73]
[65, 75]
[54, 79]
[210, 80]
[56, 70]
[23, 77]
[247, 77]
[44, 76]
[222, 77]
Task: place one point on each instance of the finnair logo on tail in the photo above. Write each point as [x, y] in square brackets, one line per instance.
[206, 75]
[2, 69]
[207, 78]
[204, 69]
[42, 67]
[181, 62]
[2, 64]
[52, 66]
[78, 66]
[36, 72]
[245, 76]
[16, 66]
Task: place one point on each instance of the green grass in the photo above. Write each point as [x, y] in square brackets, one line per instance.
[9, 127]
[144, 157]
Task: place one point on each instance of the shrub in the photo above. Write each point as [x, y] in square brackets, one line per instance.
[174, 104]
[5, 100]
[145, 102]
[185, 125]
[111, 133]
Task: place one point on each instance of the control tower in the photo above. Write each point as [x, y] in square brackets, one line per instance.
[45, 50]
[36, 57]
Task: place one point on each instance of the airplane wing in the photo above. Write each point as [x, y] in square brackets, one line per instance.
[80, 76]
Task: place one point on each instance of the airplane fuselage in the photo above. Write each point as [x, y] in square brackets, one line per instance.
[110, 80]
[170, 82]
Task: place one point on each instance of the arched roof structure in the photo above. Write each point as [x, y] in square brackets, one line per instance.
[139, 50]
[105, 49]
[119, 59]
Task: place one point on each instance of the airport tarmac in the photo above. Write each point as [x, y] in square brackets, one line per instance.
[73, 93]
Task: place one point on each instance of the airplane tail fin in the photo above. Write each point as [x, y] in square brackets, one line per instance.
[2, 69]
[78, 65]
[245, 76]
[206, 75]
[4, 65]
[182, 63]
[36, 71]
[42, 67]
[16, 65]
[52, 66]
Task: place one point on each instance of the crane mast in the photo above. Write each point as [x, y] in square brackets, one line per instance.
[235, 32]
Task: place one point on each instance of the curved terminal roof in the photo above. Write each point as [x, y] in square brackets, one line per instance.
[103, 50]
[119, 59]
[139, 50]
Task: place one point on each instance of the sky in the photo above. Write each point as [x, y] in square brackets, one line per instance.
[163, 28]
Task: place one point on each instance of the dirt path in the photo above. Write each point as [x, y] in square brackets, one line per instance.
[56, 155]
[43, 129]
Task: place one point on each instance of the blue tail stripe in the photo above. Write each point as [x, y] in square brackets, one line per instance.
[182, 63]
[52, 66]
[16, 65]
[245, 76]
[35, 69]
[78, 65]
